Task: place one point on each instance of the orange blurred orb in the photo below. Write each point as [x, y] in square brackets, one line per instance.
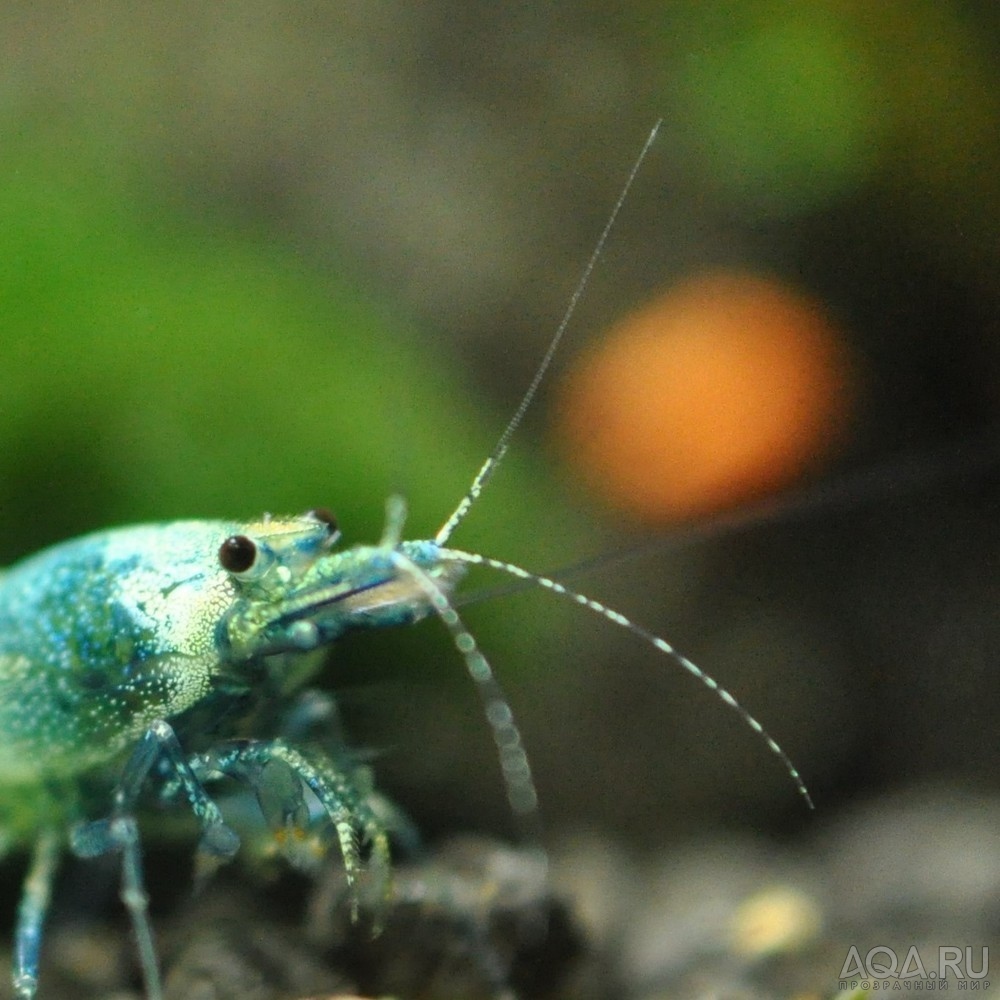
[725, 389]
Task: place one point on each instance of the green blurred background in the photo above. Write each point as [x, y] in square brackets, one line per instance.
[275, 255]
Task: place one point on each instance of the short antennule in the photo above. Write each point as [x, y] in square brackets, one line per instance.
[547, 583]
[485, 473]
[517, 776]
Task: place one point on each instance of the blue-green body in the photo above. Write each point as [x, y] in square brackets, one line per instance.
[116, 647]
[87, 657]
[102, 635]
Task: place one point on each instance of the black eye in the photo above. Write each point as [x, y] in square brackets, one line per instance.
[237, 553]
[324, 516]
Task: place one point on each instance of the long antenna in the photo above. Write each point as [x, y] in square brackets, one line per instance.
[496, 456]
[616, 618]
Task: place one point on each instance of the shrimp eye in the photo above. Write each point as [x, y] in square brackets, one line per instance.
[324, 516]
[237, 553]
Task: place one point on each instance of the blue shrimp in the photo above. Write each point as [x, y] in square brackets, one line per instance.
[123, 651]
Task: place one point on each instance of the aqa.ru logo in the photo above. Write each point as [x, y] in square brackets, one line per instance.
[881, 963]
